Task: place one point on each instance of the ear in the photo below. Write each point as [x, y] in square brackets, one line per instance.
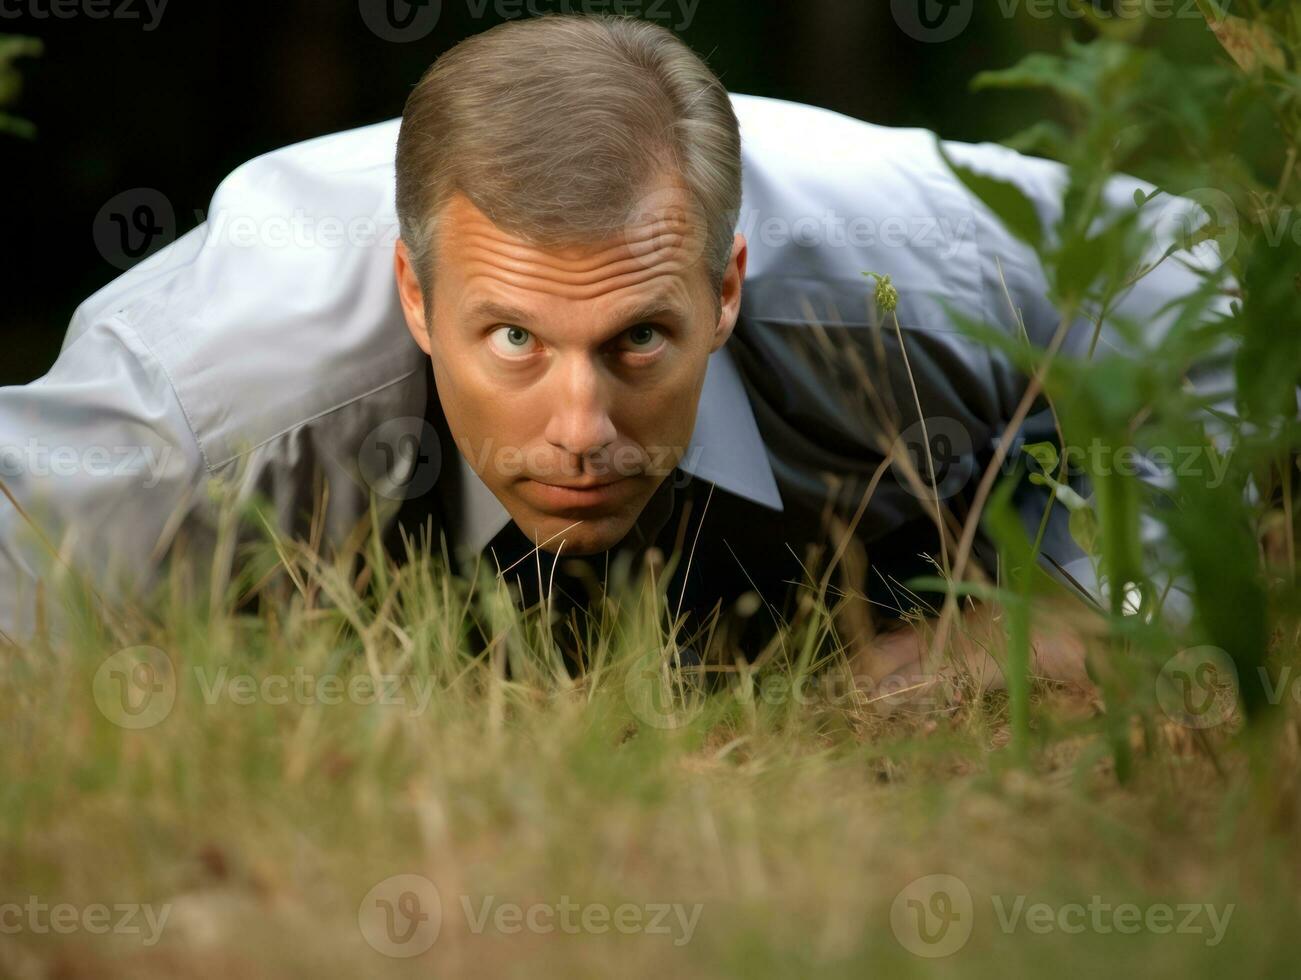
[730, 297]
[411, 296]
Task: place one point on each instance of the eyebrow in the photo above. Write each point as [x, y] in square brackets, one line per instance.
[655, 309]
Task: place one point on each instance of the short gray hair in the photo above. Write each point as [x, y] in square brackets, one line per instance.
[555, 126]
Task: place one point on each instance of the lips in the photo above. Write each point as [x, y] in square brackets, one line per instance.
[576, 496]
[591, 485]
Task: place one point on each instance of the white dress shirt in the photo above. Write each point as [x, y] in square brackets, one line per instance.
[265, 347]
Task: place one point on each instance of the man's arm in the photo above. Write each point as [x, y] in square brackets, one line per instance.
[1017, 291]
[893, 667]
[95, 460]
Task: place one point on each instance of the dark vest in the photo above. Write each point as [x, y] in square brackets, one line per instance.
[727, 546]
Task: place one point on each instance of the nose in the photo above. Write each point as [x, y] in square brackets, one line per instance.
[580, 422]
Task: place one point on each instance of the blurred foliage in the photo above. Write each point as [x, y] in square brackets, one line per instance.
[11, 81]
[1224, 134]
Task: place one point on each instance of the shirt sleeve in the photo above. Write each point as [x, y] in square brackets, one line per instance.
[1013, 278]
[98, 465]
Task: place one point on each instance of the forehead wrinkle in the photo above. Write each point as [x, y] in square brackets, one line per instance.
[561, 288]
[495, 243]
[543, 276]
[588, 268]
[665, 220]
[662, 302]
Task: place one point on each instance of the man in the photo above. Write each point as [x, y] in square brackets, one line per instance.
[631, 311]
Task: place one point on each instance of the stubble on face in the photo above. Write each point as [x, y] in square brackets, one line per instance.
[577, 407]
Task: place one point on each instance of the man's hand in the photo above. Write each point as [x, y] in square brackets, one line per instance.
[895, 662]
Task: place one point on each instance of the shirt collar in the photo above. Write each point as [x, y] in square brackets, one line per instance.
[726, 449]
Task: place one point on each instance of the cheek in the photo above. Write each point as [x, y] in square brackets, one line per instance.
[478, 409]
[666, 409]
[500, 435]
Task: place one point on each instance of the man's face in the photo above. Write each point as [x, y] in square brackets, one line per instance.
[570, 378]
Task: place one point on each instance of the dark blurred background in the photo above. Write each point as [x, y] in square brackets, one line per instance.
[175, 100]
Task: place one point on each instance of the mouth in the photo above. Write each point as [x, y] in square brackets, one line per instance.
[583, 496]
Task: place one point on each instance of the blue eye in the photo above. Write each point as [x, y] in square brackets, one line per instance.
[512, 341]
[643, 337]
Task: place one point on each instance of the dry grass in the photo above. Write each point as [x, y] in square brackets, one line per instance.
[792, 824]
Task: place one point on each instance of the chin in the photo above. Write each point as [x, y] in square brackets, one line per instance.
[589, 538]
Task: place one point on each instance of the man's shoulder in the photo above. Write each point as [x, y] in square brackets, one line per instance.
[261, 188]
[829, 198]
[857, 160]
[279, 308]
